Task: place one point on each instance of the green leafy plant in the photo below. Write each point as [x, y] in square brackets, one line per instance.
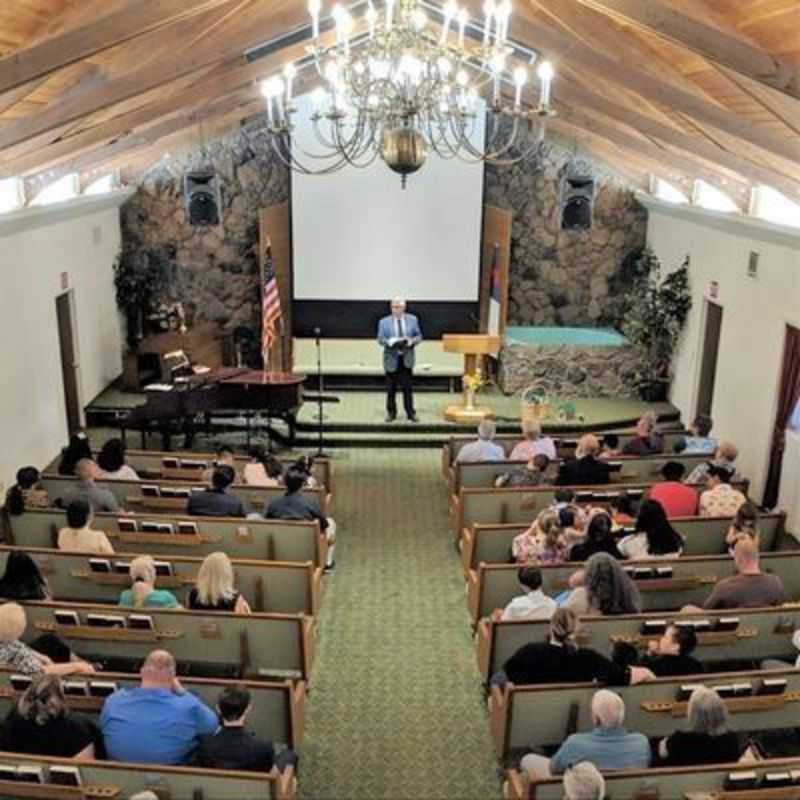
[654, 314]
[141, 276]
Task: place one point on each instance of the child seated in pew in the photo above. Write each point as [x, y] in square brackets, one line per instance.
[533, 604]
[143, 592]
[622, 510]
[542, 543]
[26, 493]
[214, 589]
[78, 536]
[599, 538]
[531, 474]
[744, 526]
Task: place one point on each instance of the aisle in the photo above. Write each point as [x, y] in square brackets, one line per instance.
[395, 708]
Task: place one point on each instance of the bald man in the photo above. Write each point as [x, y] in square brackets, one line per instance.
[398, 335]
[157, 722]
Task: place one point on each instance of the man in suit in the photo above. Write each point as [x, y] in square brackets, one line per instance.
[398, 335]
[216, 502]
[586, 469]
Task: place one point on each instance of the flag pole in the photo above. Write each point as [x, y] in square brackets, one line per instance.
[264, 348]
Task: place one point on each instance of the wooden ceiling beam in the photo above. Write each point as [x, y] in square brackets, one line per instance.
[101, 33]
[708, 41]
[236, 36]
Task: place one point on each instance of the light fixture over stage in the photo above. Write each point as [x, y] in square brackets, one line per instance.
[400, 88]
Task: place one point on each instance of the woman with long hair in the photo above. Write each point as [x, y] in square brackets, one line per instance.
[654, 537]
[143, 592]
[41, 724]
[26, 493]
[743, 526]
[542, 542]
[111, 462]
[606, 589]
[214, 589]
[22, 579]
[599, 538]
[76, 450]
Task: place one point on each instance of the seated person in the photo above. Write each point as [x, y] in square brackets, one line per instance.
[654, 537]
[532, 474]
[698, 440]
[542, 542]
[23, 579]
[585, 469]
[708, 740]
[750, 587]
[99, 499]
[599, 538]
[26, 493]
[608, 746]
[720, 499]
[76, 450]
[533, 444]
[647, 441]
[671, 654]
[610, 448]
[223, 457]
[484, 448]
[216, 502]
[143, 592]
[214, 590]
[295, 505]
[622, 510]
[78, 536]
[744, 526]
[263, 469]
[559, 660]
[534, 604]
[583, 781]
[231, 746]
[678, 499]
[111, 464]
[604, 589]
[305, 465]
[41, 724]
[157, 722]
[724, 456]
[46, 654]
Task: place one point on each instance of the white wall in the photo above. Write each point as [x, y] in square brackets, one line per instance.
[755, 314]
[80, 237]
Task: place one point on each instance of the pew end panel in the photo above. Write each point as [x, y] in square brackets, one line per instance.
[447, 457]
[474, 585]
[467, 549]
[456, 517]
[499, 718]
[516, 786]
[297, 713]
[485, 635]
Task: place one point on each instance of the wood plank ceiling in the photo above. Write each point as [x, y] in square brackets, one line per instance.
[676, 88]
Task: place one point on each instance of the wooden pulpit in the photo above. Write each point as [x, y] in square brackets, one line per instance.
[474, 347]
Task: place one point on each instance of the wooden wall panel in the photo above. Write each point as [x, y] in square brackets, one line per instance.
[275, 222]
[496, 231]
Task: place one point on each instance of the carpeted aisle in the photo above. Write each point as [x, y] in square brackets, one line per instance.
[395, 708]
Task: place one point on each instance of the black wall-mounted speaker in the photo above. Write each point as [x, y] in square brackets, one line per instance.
[203, 198]
[577, 199]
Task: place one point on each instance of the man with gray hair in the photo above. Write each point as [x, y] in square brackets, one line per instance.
[584, 782]
[86, 489]
[608, 745]
[398, 335]
[484, 447]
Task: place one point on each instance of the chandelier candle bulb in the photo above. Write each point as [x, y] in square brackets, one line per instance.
[314, 8]
[371, 17]
[545, 73]
[450, 11]
[289, 74]
[520, 78]
[488, 11]
[463, 19]
[389, 14]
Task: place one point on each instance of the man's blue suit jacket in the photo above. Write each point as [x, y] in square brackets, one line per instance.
[391, 356]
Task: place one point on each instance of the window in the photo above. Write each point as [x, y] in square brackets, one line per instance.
[667, 192]
[794, 420]
[769, 204]
[62, 189]
[12, 194]
[711, 198]
[102, 185]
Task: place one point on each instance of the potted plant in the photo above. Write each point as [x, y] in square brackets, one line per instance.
[655, 311]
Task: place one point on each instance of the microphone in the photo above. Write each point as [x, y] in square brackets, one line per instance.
[317, 333]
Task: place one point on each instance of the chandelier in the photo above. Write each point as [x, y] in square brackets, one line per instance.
[398, 89]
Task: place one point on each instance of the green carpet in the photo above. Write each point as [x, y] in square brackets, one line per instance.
[395, 708]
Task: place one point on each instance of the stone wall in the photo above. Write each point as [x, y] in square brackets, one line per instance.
[216, 268]
[562, 277]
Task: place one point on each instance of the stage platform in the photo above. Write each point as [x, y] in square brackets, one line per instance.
[357, 420]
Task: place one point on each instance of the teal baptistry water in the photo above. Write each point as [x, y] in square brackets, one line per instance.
[580, 337]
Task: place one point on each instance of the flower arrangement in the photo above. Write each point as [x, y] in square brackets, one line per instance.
[474, 381]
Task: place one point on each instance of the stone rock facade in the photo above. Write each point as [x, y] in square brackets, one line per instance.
[569, 370]
[562, 277]
[216, 271]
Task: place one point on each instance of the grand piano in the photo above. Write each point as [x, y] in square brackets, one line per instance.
[276, 395]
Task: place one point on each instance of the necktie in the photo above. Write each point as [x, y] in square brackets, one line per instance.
[400, 332]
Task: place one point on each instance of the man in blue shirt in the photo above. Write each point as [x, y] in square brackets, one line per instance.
[699, 440]
[158, 722]
[483, 448]
[608, 745]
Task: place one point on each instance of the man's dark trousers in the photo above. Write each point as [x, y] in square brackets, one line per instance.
[400, 377]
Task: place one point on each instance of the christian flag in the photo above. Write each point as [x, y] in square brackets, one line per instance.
[270, 306]
[494, 293]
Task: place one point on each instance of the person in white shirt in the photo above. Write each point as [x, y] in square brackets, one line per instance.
[533, 444]
[111, 464]
[484, 448]
[78, 536]
[534, 604]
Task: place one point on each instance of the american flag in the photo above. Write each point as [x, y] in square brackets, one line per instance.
[270, 306]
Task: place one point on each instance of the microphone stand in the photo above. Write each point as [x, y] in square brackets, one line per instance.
[320, 415]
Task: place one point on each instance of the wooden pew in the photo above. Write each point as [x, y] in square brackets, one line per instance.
[519, 505]
[149, 464]
[565, 444]
[277, 713]
[671, 783]
[131, 494]
[257, 646]
[115, 780]
[278, 587]
[761, 633]
[626, 469]
[491, 544]
[542, 716]
[272, 540]
[691, 580]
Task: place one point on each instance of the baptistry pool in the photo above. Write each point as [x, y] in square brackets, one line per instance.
[575, 337]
